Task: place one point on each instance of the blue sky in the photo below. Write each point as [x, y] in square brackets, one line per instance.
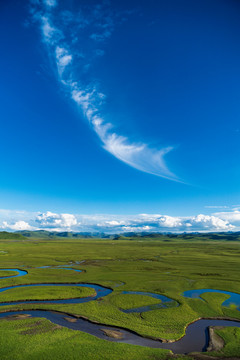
[120, 107]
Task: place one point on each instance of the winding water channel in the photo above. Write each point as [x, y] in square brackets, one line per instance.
[195, 339]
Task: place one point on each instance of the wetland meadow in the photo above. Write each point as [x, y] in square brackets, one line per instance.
[133, 298]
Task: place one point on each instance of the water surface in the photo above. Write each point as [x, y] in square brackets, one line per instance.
[234, 298]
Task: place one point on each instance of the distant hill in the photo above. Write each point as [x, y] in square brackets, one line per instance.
[8, 235]
[230, 236]
[43, 234]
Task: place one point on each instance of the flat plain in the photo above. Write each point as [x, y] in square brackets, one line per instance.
[162, 266]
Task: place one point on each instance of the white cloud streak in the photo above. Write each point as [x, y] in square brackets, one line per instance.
[138, 155]
[47, 30]
[50, 3]
[63, 59]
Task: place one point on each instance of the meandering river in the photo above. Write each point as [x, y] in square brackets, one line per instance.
[195, 339]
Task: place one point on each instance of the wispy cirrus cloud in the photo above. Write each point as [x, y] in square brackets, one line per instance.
[50, 3]
[63, 48]
[101, 37]
[216, 207]
[63, 58]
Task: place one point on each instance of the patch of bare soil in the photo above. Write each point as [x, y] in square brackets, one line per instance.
[39, 330]
[216, 343]
[113, 333]
[18, 317]
[70, 319]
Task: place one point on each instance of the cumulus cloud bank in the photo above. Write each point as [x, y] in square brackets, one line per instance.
[233, 216]
[56, 222]
[18, 225]
[97, 26]
[13, 221]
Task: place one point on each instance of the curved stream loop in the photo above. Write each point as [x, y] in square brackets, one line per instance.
[234, 298]
[166, 302]
[18, 271]
[195, 339]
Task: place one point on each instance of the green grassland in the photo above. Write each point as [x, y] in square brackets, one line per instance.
[45, 293]
[7, 273]
[35, 339]
[129, 301]
[139, 264]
